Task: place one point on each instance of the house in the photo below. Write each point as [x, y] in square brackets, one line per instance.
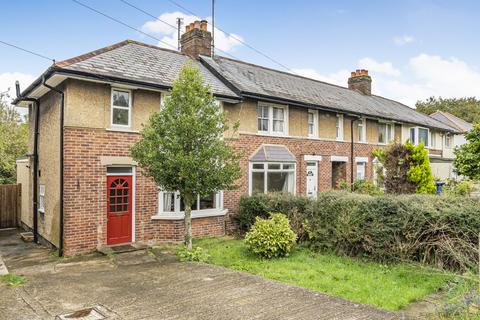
[295, 133]
[443, 167]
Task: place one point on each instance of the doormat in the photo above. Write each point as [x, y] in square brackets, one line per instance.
[94, 313]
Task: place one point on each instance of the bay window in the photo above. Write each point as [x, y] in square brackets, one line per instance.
[272, 118]
[171, 203]
[268, 177]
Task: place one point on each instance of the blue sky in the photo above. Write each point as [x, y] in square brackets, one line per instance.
[413, 49]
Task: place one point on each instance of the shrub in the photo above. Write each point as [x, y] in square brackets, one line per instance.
[366, 187]
[195, 254]
[272, 237]
[462, 188]
[441, 231]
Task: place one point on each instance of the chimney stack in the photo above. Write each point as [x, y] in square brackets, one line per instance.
[360, 81]
[196, 40]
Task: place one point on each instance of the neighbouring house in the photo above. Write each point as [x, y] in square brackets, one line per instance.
[442, 167]
[295, 133]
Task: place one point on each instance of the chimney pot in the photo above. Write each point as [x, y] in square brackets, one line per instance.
[196, 40]
[187, 28]
[197, 24]
[203, 25]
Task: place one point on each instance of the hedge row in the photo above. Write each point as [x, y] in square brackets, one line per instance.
[437, 230]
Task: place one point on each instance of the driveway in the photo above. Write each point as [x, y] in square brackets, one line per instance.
[153, 285]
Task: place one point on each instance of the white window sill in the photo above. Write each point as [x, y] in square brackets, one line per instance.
[120, 129]
[195, 214]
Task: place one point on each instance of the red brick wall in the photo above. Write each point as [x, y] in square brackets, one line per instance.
[85, 185]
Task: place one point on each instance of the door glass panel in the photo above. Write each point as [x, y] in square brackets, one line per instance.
[118, 196]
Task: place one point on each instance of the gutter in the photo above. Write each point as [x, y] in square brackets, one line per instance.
[62, 116]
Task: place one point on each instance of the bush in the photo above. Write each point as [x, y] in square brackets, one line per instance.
[441, 231]
[272, 237]
[196, 254]
[462, 188]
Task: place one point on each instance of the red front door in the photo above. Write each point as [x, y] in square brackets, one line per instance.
[119, 209]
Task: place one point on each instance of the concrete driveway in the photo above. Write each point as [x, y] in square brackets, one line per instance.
[144, 285]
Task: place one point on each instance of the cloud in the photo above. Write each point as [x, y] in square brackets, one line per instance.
[423, 76]
[169, 35]
[380, 67]
[7, 82]
[403, 40]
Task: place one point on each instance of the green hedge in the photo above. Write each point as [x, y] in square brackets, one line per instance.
[436, 230]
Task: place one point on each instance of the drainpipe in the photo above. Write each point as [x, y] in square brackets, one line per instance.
[35, 158]
[62, 113]
[352, 145]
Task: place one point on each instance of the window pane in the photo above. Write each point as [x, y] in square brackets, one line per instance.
[258, 180]
[194, 205]
[310, 117]
[423, 136]
[278, 125]
[389, 132]
[262, 125]
[360, 170]
[258, 166]
[278, 113]
[412, 135]
[168, 202]
[120, 98]
[208, 202]
[120, 116]
[382, 130]
[280, 182]
[310, 129]
[274, 166]
[360, 131]
[287, 166]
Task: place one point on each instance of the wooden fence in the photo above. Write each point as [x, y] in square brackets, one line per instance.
[10, 205]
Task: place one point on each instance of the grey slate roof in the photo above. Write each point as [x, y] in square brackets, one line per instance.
[257, 80]
[274, 153]
[136, 61]
[453, 121]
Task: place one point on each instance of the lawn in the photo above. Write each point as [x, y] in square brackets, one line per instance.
[389, 287]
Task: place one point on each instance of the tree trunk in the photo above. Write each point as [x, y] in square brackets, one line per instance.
[188, 223]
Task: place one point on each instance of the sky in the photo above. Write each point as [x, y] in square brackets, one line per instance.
[413, 49]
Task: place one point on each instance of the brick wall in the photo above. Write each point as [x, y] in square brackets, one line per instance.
[85, 185]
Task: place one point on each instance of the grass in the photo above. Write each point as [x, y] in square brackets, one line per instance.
[389, 287]
[12, 280]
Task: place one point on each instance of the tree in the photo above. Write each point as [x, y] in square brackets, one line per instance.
[467, 156]
[183, 147]
[13, 140]
[467, 109]
[405, 168]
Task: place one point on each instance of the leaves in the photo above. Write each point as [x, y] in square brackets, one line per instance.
[467, 109]
[13, 140]
[467, 156]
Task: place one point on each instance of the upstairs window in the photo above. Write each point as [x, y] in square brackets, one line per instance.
[339, 127]
[272, 119]
[419, 135]
[385, 132]
[121, 108]
[448, 141]
[362, 130]
[312, 123]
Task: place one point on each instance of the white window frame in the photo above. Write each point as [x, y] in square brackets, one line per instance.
[448, 140]
[270, 119]
[417, 136]
[361, 164]
[362, 127]
[433, 142]
[314, 124]
[198, 212]
[339, 127]
[265, 170]
[41, 198]
[129, 108]
[389, 132]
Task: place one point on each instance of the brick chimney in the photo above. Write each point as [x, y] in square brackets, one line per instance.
[196, 40]
[361, 82]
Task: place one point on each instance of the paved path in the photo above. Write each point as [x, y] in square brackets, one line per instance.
[141, 285]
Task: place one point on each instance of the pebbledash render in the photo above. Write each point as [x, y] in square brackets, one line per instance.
[295, 136]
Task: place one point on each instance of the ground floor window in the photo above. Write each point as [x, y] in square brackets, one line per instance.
[171, 202]
[361, 170]
[272, 177]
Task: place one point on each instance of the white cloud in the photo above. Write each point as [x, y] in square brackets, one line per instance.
[423, 76]
[7, 82]
[403, 40]
[169, 35]
[380, 67]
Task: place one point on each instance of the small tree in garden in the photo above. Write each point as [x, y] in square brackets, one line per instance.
[182, 146]
[467, 156]
[405, 168]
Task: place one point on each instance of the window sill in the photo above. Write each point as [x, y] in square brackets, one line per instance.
[120, 129]
[195, 214]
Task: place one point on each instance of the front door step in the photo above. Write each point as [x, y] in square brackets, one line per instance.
[121, 248]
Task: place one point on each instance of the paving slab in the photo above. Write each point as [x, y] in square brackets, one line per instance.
[142, 286]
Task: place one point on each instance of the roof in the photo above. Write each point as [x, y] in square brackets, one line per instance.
[273, 153]
[259, 81]
[453, 121]
[136, 62]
